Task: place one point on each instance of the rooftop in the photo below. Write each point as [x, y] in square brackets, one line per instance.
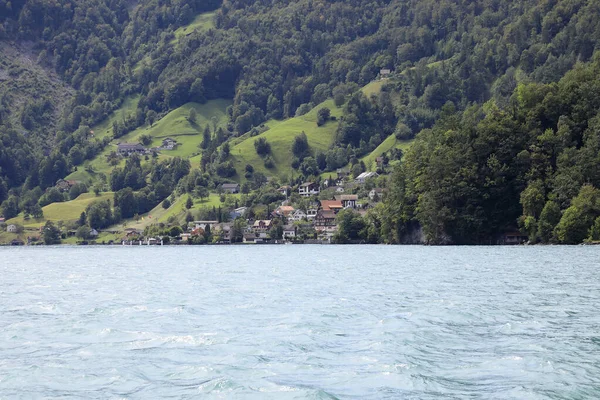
[331, 204]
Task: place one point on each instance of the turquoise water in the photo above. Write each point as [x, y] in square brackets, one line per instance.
[300, 322]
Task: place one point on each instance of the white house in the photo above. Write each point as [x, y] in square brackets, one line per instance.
[308, 189]
[203, 224]
[297, 215]
[311, 213]
[169, 144]
[348, 200]
[376, 194]
[11, 228]
[289, 232]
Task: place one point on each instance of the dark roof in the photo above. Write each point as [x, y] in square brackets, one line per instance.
[327, 214]
[230, 185]
[130, 146]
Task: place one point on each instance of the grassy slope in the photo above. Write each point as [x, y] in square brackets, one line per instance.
[174, 124]
[281, 136]
[385, 146]
[128, 107]
[177, 209]
[67, 211]
[201, 23]
[373, 88]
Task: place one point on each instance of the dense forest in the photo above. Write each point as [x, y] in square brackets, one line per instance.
[501, 98]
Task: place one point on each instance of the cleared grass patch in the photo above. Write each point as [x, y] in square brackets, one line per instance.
[128, 107]
[175, 125]
[281, 137]
[67, 211]
[201, 23]
[385, 146]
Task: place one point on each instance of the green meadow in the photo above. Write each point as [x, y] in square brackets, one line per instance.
[281, 136]
[201, 23]
[67, 211]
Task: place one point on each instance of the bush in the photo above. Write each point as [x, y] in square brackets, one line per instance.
[303, 109]
[269, 163]
[262, 146]
[145, 140]
[323, 116]
[166, 204]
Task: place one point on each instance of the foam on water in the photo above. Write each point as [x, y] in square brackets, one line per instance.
[300, 322]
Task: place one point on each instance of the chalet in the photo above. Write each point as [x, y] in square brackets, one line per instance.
[262, 225]
[332, 205]
[231, 187]
[285, 190]
[348, 200]
[297, 215]
[169, 144]
[65, 185]
[11, 228]
[384, 73]
[362, 178]
[308, 189]
[325, 218]
[126, 149]
[283, 211]
[376, 194]
[289, 232]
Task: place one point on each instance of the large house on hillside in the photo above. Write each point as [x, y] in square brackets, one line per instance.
[308, 189]
[231, 187]
[332, 205]
[169, 144]
[126, 149]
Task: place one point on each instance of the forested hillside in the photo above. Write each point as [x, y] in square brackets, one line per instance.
[500, 97]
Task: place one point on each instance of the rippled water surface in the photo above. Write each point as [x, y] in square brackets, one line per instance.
[300, 322]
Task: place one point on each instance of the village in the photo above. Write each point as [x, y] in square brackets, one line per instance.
[312, 220]
[308, 214]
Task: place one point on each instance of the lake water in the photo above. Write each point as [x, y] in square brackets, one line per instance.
[300, 322]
